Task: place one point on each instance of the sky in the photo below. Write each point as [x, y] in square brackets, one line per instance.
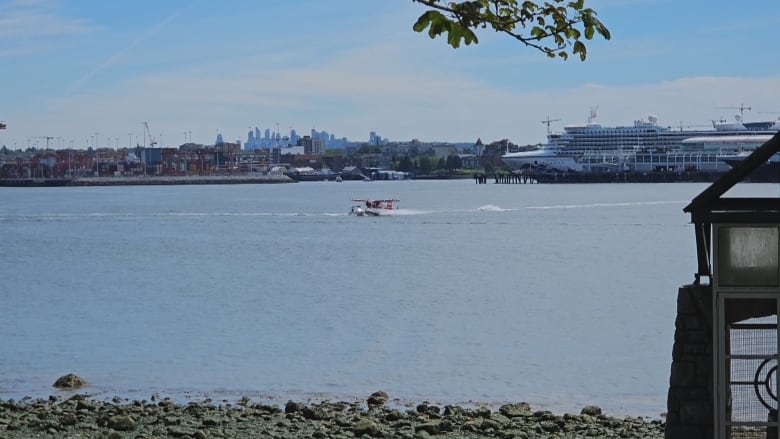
[88, 73]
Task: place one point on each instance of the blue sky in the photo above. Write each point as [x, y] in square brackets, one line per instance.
[74, 68]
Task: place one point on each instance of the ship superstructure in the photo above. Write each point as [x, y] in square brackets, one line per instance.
[644, 146]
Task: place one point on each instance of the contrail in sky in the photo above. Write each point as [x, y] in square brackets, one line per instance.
[143, 37]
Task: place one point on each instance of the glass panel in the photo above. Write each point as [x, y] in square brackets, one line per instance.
[748, 256]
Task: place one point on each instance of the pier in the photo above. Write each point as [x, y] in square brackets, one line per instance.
[628, 177]
[506, 178]
[599, 177]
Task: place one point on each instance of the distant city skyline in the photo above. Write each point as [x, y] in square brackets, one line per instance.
[268, 139]
[83, 67]
[255, 138]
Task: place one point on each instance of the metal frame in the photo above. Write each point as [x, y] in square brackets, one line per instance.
[720, 295]
[722, 382]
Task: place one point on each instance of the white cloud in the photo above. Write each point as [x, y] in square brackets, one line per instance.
[399, 105]
[26, 19]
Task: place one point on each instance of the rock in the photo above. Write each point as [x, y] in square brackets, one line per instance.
[426, 409]
[293, 407]
[482, 412]
[591, 410]
[515, 410]
[365, 426]
[434, 427]
[140, 420]
[393, 416]
[454, 410]
[549, 426]
[180, 432]
[544, 415]
[377, 399]
[84, 404]
[121, 423]
[69, 381]
[211, 421]
[69, 419]
[315, 413]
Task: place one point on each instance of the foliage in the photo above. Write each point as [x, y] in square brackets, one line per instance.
[454, 162]
[405, 164]
[363, 149]
[425, 165]
[555, 27]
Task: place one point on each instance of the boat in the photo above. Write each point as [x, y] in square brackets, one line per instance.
[644, 146]
[369, 207]
[768, 172]
[546, 157]
[311, 174]
[353, 173]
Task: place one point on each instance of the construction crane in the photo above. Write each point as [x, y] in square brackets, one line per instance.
[152, 142]
[548, 121]
[42, 137]
[741, 109]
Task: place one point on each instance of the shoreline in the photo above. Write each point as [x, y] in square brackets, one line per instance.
[147, 180]
[79, 415]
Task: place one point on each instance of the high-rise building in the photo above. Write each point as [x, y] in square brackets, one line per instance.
[250, 140]
[312, 145]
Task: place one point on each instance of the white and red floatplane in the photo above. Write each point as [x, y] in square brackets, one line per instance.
[368, 207]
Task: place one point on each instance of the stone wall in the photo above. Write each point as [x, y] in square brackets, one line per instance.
[691, 399]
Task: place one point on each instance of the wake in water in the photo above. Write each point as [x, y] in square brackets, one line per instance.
[394, 212]
[593, 205]
[403, 212]
[493, 208]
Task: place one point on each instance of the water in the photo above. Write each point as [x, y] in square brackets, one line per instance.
[558, 295]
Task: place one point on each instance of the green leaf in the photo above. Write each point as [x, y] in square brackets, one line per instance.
[454, 36]
[424, 21]
[554, 27]
[589, 32]
[580, 48]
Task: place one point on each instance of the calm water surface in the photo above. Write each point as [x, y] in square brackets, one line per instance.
[558, 295]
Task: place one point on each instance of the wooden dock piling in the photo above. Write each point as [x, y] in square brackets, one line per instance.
[506, 178]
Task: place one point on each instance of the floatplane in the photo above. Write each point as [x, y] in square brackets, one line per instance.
[370, 207]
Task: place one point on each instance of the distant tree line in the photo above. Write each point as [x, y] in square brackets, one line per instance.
[426, 164]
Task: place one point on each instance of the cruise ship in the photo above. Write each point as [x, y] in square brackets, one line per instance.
[644, 146]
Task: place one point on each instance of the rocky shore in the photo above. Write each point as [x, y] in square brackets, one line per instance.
[79, 416]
